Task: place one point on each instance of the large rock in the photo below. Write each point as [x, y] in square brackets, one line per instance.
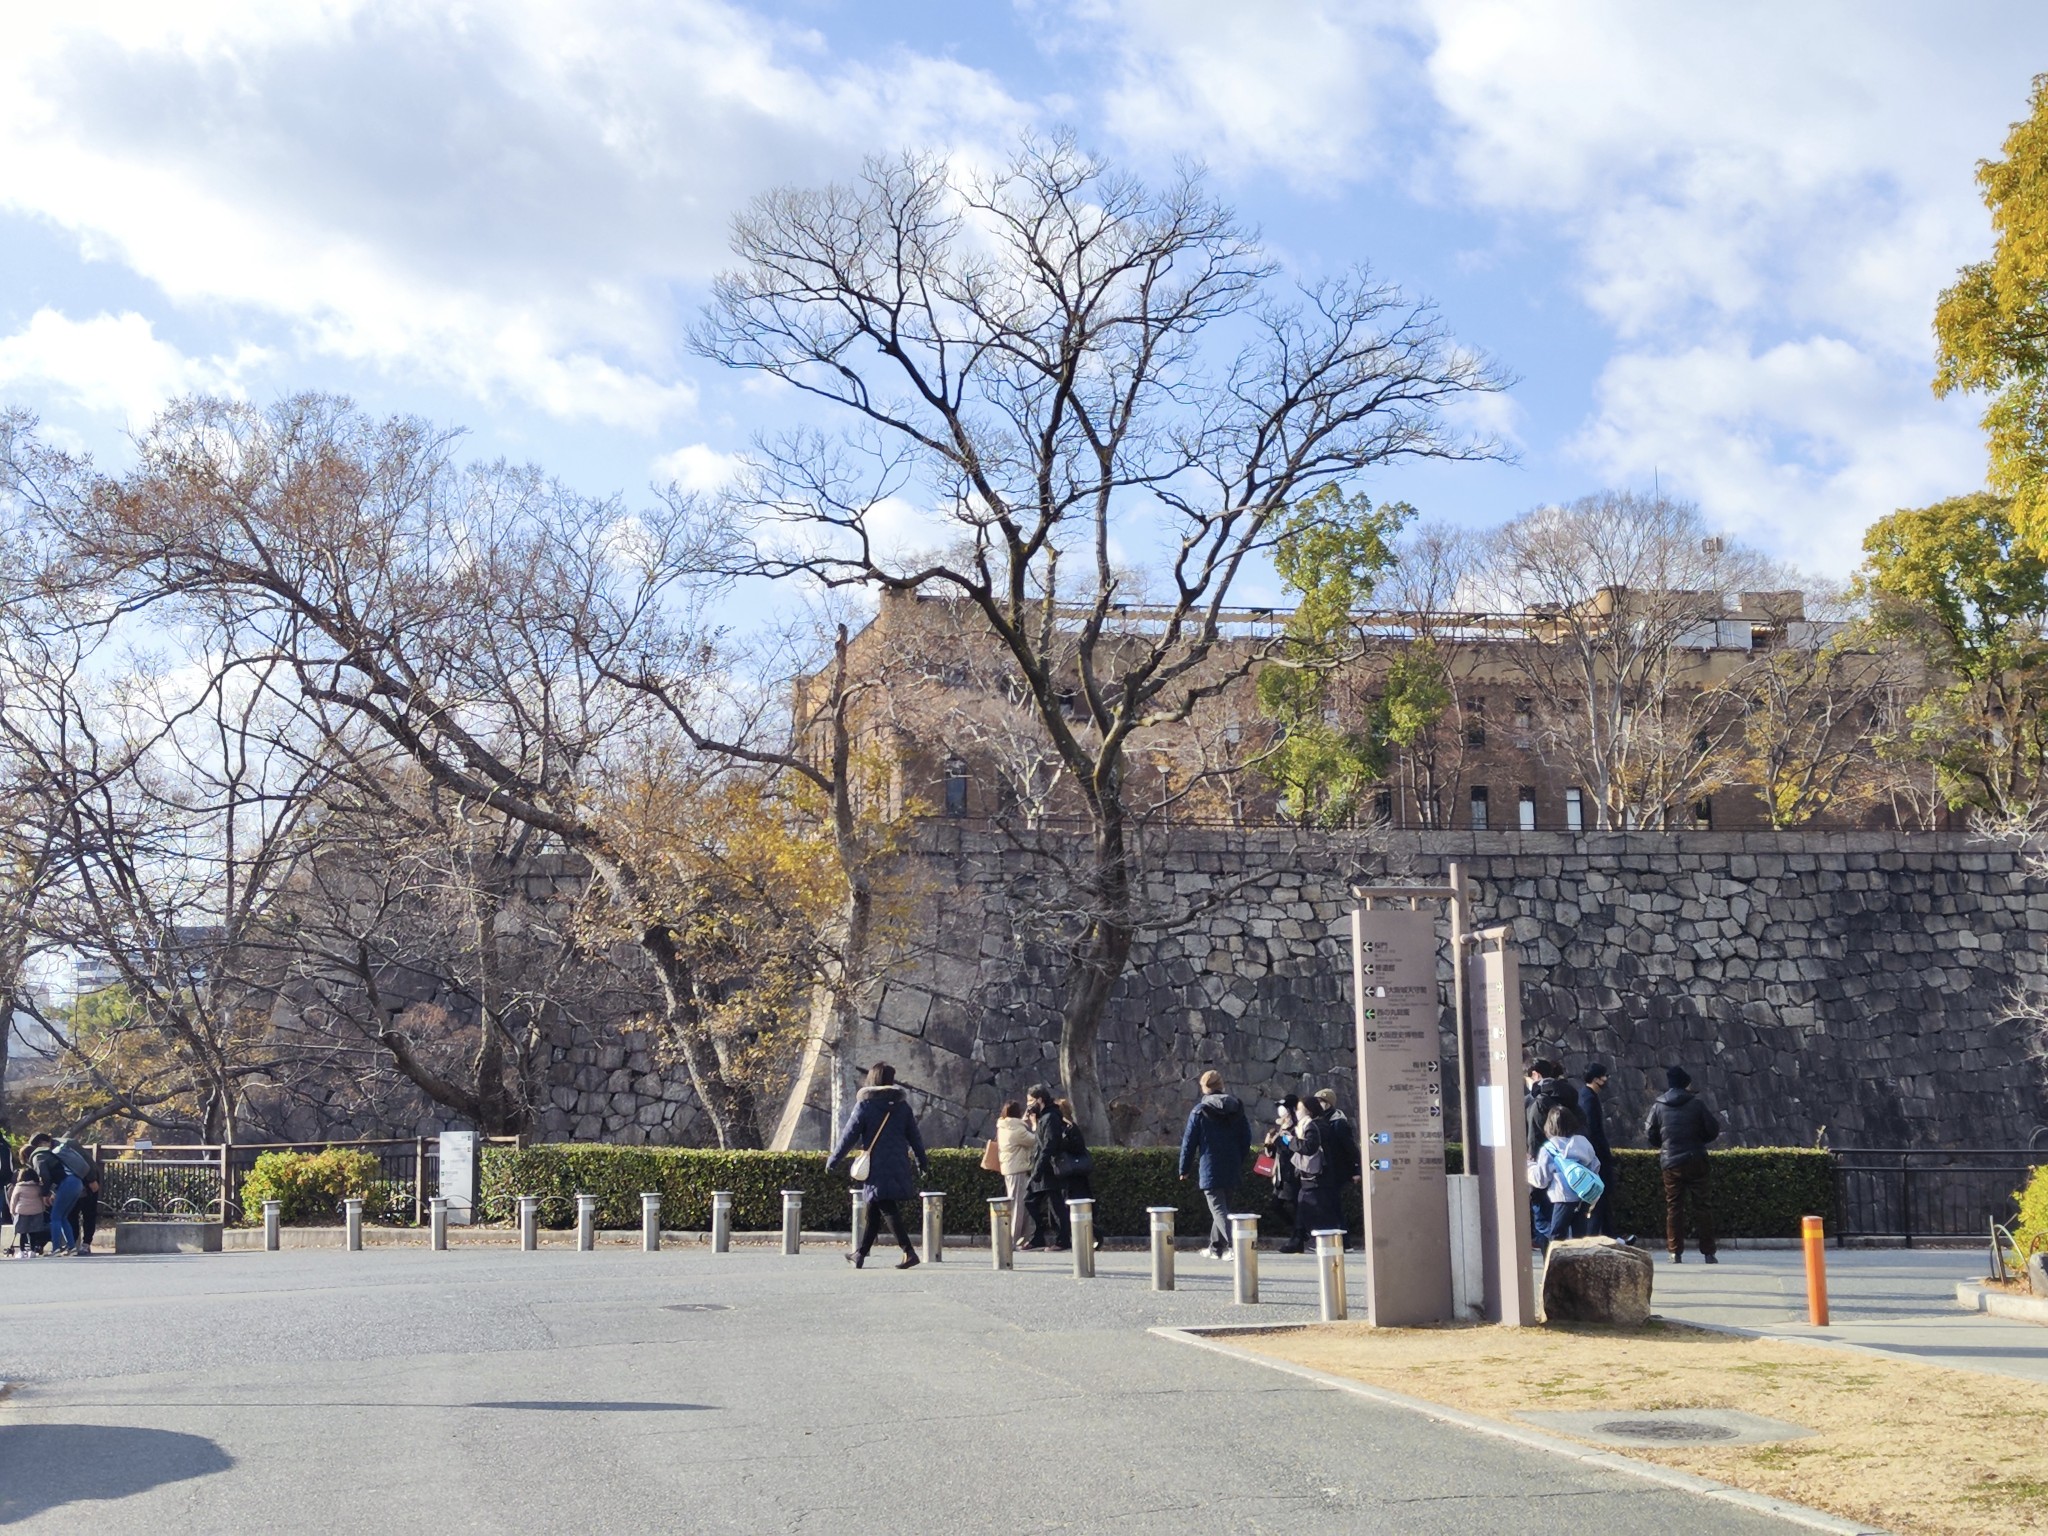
[1596, 1280]
[2037, 1274]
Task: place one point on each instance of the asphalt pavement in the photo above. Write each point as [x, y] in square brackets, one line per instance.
[399, 1390]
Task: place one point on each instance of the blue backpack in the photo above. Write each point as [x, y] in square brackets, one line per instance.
[1582, 1181]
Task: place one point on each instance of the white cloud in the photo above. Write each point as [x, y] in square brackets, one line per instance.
[1247, 87]
[1793, 183]
[1795, 447]
[113, 365]
[698, 468]
[502, 197]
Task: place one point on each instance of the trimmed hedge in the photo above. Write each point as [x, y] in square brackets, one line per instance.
[1755, 1192]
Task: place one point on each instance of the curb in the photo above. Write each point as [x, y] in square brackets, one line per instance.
[2018, 1309]
[1531, 1439]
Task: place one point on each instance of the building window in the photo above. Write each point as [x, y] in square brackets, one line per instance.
[1703, 814]
[956, 788]
[1479, 808]
[1527, 809]
[1525, 710]
[1475, 723]
[1574, 811]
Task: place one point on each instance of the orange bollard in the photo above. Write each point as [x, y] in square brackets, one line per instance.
[1812, 1233]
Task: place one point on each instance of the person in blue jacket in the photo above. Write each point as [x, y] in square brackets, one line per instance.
[882, 1126]
[1219, 1134]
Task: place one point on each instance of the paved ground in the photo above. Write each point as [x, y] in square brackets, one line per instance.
[1901, 1301]
[490, 1390]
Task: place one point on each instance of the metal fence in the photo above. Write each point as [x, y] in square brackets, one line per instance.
[149, 1182]
[1911, 1194]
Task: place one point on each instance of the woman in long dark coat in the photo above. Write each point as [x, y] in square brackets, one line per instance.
[1047, 1190]
[882, 1125]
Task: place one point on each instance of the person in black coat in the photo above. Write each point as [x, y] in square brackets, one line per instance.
[1548, 1090]
[1047, 1189]
[1319, 1206]
[1594, 1113]
[882, 1126]
[1679, 1126]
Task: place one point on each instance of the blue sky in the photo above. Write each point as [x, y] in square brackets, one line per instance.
[1706, 240]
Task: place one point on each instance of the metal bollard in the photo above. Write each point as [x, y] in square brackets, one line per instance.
[273, 1214]
[1000, 1210]
[529, 1222]
[860, 1211]
[650, 1221]
[792, 1222]
[586, 1223]
[1244, 1259]
[352, 1213]
[1330, 1274]
[934, 1225]
[437, 1224]
[721, 1221]
[1162, 1245]
[1081, 1222]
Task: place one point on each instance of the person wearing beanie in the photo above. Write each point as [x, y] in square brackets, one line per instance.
[1214, 1145]
[1600, 1222]
[1680, 1126]
[1340, 1137]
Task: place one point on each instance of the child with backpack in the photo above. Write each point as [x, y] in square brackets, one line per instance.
[1570, 1170]
[31, 1206]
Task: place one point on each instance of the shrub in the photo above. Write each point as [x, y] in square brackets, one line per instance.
[1756, 1192]
[2030, 1230]
[311, 1185]
[1752, 1191]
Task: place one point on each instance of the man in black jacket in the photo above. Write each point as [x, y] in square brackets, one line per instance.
[1679, 1127]
[1594, 1113]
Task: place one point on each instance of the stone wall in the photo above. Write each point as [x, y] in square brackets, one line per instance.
[1845, 984]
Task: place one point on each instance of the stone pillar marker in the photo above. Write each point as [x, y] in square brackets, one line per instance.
[1497, 1153]
[458, 1175]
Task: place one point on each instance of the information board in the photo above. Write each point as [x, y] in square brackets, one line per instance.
[458, 1176]
[1401, 1116]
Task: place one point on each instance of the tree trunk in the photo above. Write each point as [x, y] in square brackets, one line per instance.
[729, 1105]
[1099, 961]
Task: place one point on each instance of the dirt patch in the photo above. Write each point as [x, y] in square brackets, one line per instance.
[1907, 1447]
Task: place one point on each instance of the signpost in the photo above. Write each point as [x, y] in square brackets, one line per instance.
[1496, 1153]
[1401, 1113]
[458, 1175]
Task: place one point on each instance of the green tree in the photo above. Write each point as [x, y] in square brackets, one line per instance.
[1957, 581]
[1330, 552]
[1991, 327]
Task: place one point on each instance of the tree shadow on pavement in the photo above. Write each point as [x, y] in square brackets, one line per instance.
[45, 1466]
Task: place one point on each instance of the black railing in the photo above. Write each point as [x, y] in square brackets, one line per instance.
[1907, 1194]
[205, 1180]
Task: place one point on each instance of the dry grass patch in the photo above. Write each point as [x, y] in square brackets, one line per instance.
[1911, 1448]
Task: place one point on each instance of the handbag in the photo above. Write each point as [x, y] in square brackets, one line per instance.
[1263, 1165]
[1074, 1159]
[864, 1164]
[991, 1159]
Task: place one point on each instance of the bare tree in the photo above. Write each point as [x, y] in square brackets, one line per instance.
[1067, 367]
[1811, 702]
[455, 614]
[1621, 594]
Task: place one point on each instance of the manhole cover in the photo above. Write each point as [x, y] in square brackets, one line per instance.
[1666, 1426]
[1665, 1429]
[698, 1306]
